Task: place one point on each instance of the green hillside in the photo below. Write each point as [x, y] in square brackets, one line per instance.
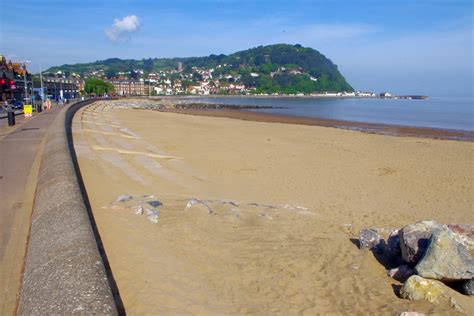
[279, 68]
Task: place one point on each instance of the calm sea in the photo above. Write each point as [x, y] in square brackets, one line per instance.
[437, 112]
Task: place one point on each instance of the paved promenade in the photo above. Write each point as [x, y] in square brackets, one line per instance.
[20, 149]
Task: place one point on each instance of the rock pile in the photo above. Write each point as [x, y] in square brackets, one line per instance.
[219, 106]
[429, 256]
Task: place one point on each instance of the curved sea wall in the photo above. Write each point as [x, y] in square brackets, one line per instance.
[65, 268]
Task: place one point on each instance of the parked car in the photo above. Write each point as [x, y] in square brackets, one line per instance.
[17, 105]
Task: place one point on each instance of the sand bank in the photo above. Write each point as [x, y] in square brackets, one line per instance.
[281, 204]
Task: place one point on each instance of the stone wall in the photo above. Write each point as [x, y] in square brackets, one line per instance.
[66, 270]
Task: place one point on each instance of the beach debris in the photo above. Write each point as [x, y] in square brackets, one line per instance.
[468, 287]
[265, 216]
[138, 209]
[446, 259]
[354, 266]
[144, 204]
[414, 239]
[253, 204]
[410, 314]
[369, 238]
[124, 198]
[148, 196]
[155, 203]
[401, 273]
[153, 215]
[195, 202]
[232, 209]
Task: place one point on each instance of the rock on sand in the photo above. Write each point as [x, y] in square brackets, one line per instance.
[446, 259]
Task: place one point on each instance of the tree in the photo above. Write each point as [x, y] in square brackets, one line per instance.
[186, 84]
[134, 74]
[111, 73]
[97, 86]
[197, 77]
[148, 65]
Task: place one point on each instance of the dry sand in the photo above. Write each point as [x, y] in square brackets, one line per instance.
[286, 201]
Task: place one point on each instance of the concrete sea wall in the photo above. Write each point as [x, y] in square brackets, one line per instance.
[66, 270]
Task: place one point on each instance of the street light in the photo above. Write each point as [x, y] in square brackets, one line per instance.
[24, 62]
[42, 89]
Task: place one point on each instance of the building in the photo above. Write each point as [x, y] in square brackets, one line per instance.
[13, 77]
[59, 88]
[127, 87]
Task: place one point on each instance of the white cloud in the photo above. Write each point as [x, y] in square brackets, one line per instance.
[122, 28]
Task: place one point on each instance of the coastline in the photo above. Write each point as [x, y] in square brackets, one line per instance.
[372, 128]
[262, 96]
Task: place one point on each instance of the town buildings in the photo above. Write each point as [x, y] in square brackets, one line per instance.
[180, 80]
[129, 87]
[13, 78]
[59, 88]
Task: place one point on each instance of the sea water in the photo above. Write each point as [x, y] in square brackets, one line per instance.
[456, 113]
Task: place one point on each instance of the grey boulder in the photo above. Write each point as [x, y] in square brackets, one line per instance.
[414, 239]
[369, 238]
[464, 233]
[393, 242]
[124, 198]
[468, 287]
[401, 273]
[446, 259]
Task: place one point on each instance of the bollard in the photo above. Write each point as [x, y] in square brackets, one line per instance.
[11, 118]
[10, 115]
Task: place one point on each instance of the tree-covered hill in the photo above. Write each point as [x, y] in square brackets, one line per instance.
[279, 68]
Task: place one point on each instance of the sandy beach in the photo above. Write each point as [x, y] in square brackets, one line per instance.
[259, 218]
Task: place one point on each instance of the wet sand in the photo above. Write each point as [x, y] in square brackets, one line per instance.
[383, 129]
[258, 217]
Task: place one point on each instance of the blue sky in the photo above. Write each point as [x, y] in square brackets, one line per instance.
[404, 46]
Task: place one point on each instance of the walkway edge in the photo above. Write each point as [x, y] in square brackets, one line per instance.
[64, 271]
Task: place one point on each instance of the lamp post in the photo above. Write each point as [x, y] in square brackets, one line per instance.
[42, 89]
[24, 77]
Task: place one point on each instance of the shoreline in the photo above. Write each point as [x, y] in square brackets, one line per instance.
[261, 96]
[371, 128]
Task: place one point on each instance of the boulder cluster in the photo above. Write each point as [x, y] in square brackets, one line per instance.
[428, 256]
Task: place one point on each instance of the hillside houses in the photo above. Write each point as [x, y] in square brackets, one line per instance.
[219, 79]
